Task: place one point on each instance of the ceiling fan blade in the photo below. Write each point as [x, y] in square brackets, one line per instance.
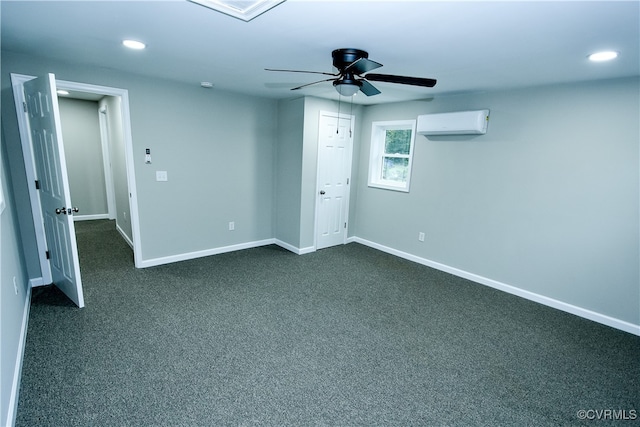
[362, 65]
[388, 78]
[368, 89]
[301, 71]
[309, 84]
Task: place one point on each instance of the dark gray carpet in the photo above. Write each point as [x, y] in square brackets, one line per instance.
[346, 336]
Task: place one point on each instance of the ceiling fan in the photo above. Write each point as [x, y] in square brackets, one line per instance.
[353, 74]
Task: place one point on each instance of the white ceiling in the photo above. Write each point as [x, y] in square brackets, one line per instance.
[467, 46]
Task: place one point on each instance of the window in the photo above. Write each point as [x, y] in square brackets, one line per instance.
[391, 154]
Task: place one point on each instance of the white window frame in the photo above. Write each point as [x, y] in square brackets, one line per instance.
[378, 134]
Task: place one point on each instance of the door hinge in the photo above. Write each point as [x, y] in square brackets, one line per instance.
[345, 225]
[24, 106]
[347, 181]
[37, 184]
[47, 254]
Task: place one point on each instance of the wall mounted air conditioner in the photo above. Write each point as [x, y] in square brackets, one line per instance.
[457, 123]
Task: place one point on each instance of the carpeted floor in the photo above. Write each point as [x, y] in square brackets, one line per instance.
[346, 336]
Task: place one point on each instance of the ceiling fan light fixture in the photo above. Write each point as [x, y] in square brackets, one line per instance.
[347, 88]
[607, 55]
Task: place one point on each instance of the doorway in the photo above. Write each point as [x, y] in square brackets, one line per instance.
[96, 161]
[124, 175]
[88, 153]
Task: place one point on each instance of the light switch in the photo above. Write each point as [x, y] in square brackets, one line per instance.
[161, 176]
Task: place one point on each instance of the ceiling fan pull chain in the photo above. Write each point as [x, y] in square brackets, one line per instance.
[350, 116]
[338, 119]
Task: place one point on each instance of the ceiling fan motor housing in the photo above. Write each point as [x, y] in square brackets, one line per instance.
[344, 57]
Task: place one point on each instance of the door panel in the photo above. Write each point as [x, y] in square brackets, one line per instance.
[46, 137]
[334, 169]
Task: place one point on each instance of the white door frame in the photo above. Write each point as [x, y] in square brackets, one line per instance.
[352, 120]
[17, 81]
[105, 140]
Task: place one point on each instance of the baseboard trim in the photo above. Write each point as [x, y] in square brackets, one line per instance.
[35, 282]
[541, 299]
[124, 235]
[90, 217]
[12, 409]
[294, 249]
[307, 250]
[207, 252]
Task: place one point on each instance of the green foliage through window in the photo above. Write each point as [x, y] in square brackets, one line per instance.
[395, 169]
[397, 141]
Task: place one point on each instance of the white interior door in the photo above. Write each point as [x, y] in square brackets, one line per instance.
[55, 200]
[335, 142]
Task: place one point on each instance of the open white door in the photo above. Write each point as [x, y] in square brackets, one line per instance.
[335, 142]
[51, 169]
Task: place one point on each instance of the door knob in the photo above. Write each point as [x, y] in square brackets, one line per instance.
[322, 192]
[66, 211]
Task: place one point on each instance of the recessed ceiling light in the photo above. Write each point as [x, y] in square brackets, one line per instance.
[603, 56]
[206, 85]
[134, 44]
[62, 92]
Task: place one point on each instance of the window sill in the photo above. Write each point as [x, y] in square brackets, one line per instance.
[392, 187]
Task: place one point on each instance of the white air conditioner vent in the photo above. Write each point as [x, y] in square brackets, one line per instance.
[456, 123]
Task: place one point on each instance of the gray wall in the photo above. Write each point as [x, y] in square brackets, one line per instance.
[83, 152]
[547, 201]
[288, 175]
[218, 151]
[12, 305]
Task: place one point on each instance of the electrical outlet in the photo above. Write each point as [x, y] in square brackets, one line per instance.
[232, 226]
[421, 236]
[15, 285]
